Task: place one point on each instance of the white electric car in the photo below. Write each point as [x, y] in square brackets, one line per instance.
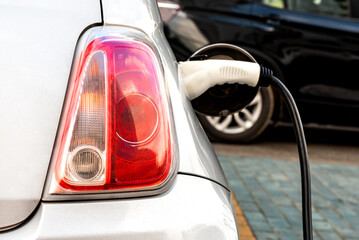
[98, 139]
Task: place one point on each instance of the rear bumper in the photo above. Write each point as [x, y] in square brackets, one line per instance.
[194, 208]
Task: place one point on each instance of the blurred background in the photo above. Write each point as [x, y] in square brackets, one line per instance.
[313, 47]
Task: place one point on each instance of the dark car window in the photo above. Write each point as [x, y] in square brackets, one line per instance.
[338, 8]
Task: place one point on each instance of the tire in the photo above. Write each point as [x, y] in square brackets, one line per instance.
[244, 126]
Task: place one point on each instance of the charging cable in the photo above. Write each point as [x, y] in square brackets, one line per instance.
[199, 76]
[267, 78]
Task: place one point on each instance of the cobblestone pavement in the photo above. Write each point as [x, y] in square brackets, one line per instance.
[268, 192]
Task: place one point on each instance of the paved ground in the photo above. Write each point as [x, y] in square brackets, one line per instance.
[318, 153]
[268, 192]
[265, 179]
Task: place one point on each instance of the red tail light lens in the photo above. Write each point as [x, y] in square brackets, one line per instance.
[136, 118]
[116, 132]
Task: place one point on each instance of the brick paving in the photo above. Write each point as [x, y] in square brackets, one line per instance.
[268, 192]
[245, 232]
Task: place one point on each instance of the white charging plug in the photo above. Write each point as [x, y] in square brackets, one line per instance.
[199, 76]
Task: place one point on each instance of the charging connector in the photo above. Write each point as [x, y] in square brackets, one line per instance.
[199, 76]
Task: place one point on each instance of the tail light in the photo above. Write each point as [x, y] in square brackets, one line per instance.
[116, 123]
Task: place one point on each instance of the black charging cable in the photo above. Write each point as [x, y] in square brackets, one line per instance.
[267, 79]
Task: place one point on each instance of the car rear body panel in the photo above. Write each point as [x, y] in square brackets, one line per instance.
[193, 208]
[38, 39]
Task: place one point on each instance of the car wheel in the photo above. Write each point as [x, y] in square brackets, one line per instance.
[244, 126]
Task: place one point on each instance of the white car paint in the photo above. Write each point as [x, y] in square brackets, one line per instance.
[37, 44]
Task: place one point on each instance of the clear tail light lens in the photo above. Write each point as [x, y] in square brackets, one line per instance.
[116, 130]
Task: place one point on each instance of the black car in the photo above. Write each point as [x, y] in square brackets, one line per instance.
[312, 45]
